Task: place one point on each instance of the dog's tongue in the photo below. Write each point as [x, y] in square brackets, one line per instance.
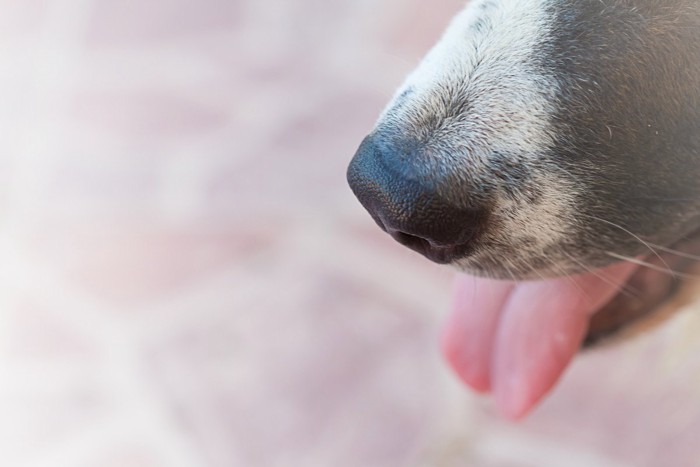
[516, 339]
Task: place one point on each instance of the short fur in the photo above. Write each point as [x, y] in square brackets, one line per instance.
[576, 121]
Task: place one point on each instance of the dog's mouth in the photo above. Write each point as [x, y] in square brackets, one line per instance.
[516, 339]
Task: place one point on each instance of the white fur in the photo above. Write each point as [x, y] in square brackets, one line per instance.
[535, 228]
[510, 104]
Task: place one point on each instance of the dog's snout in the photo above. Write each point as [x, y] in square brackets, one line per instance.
[407, 207]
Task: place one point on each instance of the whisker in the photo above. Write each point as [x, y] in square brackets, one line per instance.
[508, 270]
[654, 267]
[637, 237]
[536, 271]
[624, 289]
[676, 252]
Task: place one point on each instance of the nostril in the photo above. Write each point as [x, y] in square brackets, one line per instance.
[409, 207]
[438, 253]
[411, 241]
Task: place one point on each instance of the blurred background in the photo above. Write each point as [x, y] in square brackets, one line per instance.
[188, 282]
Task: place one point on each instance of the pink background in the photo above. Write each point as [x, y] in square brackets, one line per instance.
[188, 282]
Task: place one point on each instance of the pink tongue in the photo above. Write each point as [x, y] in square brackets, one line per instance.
[516, 339]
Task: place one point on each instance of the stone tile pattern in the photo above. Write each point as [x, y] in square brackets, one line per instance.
[187, 281]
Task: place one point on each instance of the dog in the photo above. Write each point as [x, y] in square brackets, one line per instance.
[550, 149]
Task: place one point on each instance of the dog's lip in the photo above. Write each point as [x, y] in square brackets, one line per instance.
[649, 287]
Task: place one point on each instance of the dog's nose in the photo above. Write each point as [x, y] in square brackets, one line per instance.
[408, 208]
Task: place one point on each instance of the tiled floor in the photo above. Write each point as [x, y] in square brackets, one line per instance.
[187, 281]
